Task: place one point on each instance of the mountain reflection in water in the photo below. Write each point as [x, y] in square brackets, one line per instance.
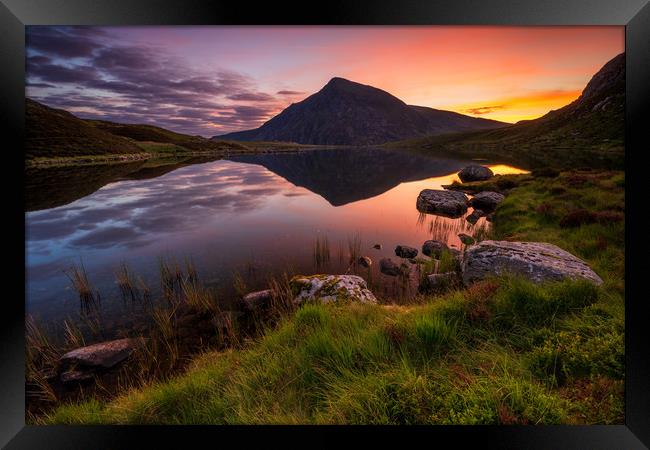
[254, 215]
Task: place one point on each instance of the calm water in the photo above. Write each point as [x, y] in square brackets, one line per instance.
[251, 215]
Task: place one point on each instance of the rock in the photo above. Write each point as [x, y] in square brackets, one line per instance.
[331, 288]
[388, 267]
[413, 260]
[404, 251]
[75, 376]
[104, 354]
[476, 214]
[441, 202]
[490, 217]
[377, 246]
[440, 282]
[537, 261]
[456, 253]
[466, 239]
[475, 173]
[365, 261]
[487, 201]
[433, 248]
[254, 301]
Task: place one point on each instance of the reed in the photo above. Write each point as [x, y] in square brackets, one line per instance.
[89, 298]
[41, 362]
[321, 252]
[354, 249]
[126, 283]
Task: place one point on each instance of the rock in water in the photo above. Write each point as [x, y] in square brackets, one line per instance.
[103, 355]
[377, 246]
[388, 267]
[433, 248]
[486, 201]
[466, 239]
[404, 251]
[476, 214]
[537, 261]
[331, 288]
[445, 203]
[440, 282]
[475, 173]
[365, 261]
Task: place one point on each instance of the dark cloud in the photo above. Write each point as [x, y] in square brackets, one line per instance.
[290, 93]
[138, 84]
[484, 109]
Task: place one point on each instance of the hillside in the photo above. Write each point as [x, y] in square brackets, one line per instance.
[54, 132]
[588, 131]
[347, 113]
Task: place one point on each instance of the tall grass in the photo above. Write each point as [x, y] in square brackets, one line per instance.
[321, 252]
[89, 298]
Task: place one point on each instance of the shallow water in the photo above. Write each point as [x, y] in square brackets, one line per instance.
[252, 215]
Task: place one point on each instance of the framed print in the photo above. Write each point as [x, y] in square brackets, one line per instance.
[413, 219]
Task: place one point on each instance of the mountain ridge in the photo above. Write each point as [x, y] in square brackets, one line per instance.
[345, 112]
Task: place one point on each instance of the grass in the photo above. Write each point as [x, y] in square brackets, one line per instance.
[501, 351]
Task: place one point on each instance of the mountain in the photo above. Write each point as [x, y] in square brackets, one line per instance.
[52, 132]
[347, 113]
[588, 131]
[343, 176]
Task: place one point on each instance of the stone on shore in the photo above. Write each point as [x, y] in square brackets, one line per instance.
[537, 261]
[365, 261]
[103, 355]
[257, 300]
[331, 288]
[486, 201]
[388, 267]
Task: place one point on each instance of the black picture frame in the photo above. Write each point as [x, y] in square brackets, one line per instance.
[633, 14]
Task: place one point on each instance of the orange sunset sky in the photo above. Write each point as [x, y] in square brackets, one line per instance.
[209, 79]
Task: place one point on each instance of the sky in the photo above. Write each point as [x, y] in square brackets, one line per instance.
[211, 80]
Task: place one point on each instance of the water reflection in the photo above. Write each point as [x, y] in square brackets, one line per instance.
[251, 215]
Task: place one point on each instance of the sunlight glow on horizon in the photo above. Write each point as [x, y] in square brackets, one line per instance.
[217, 79]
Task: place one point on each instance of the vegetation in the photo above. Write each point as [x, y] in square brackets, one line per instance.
[501, 351]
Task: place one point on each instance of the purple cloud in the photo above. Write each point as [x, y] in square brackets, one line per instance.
[93, 74]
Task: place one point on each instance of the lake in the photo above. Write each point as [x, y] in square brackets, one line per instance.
[248, 216]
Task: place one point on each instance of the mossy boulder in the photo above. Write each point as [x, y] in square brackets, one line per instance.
[331, 288]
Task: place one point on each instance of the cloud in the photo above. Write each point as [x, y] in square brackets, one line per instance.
[484, 109]
[96, 75]
[290, 93]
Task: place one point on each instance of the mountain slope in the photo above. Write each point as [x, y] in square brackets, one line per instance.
[347, 113]
[54, 132]
[588, 131]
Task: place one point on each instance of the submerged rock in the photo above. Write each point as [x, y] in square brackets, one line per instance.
[404, 251]
[365, 261]
[475, 173]
[331, 288]
[103, 355]
[433, 248]
[377, 246]
[466, 239]
[487, 200]
[388, 267]
[537, 261]
[445, 203]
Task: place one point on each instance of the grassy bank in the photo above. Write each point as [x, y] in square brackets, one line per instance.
[502, 351]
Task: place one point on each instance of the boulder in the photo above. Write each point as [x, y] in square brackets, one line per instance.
[377, 246]
[404, 251]
[331, 288]
[489, 217]
[76, 376]
[441, 202]
[440, 282]
[433, 248]
[537, 261]
[466, 239]
[365, 261]
[476, 214]
[388, 267]
[103, 355]
[475, 173]
[257, 300]
[487, 200]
